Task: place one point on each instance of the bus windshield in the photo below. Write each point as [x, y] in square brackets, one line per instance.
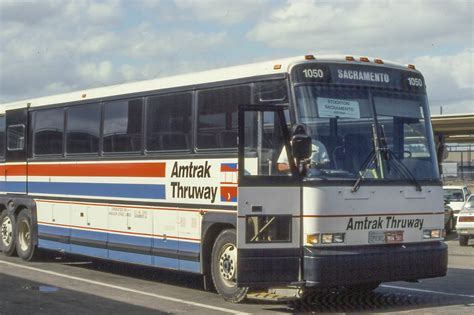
[341, 123]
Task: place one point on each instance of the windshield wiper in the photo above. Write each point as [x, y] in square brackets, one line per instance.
[381, 150]
[369, 161]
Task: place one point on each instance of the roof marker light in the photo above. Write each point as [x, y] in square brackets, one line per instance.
[276, 67]
[364, 59]
[350, 58]
[379, 61]
[84, 95]
[411, 67]
[309, 57]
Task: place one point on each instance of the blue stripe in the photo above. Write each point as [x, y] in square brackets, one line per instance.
[54, 230]
[99, 190]
[15, 187]
[163, 262]
[54, 245]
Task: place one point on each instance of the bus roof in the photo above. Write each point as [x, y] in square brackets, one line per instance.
[189, 79]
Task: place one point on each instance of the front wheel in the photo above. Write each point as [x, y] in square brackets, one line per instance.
[7, 230]
[224, 267]
[25, 247]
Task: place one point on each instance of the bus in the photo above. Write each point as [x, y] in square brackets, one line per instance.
[184, 173]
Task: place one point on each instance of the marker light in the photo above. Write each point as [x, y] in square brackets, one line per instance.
[364, 59]
[312, 239]
[350, 58]
[276, 67]
[379, 61]
[309, 57]
[411, 67]
[84, 95]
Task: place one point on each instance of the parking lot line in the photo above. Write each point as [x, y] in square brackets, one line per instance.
[221, 309]
[425, 291]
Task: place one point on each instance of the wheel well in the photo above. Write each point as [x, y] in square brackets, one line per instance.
[208, 243]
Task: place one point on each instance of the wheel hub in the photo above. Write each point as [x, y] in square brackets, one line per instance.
[227, 264]
[7, 231]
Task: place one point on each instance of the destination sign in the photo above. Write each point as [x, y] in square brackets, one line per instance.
[351, 74]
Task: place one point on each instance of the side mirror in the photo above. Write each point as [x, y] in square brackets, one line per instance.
[301, 146]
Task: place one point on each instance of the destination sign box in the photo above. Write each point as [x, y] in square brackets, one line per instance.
[348, 74]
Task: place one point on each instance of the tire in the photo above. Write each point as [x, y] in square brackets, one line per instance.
[450, 225]
[463, 240]
[25, 247]
[224, 267]
[7, 233]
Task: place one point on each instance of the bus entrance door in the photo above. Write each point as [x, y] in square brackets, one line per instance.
[269, 202]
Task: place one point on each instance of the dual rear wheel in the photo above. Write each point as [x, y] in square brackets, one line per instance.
[17, 234]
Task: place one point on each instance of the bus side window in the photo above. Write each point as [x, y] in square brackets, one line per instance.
[48, 131]
[83, 129]
[169, 122]
[123, 126]
[217, 116]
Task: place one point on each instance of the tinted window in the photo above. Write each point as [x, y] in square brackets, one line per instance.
[272, 91]
[2, 136]
[123, 126]
[48, 131]
[169, 122]
[16, 137]
[217, 116]
[83, 129]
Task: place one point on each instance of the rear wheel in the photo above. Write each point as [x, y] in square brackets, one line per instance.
[224, 267]
[7, 230]
[25, 247]
[463, 240]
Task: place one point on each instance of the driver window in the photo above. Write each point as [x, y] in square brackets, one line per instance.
[264, 144]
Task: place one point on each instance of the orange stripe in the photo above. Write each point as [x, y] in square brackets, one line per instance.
[13, 170]
[107, 170]
[135, 207]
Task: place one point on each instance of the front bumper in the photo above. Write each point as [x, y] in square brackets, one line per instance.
[338, 266]
[465, 230]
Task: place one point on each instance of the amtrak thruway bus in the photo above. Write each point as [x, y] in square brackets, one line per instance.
[184, 173]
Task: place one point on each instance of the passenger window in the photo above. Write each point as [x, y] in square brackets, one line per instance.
[48, 131]
[123, 126]
[16, 137]
[272, 91]
[83, 129]
[2, 137]
[217, 116]
[169, 122]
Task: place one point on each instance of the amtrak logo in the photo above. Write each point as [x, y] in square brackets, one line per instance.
[229, 182]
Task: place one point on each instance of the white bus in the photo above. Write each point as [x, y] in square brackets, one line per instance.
[185, 173]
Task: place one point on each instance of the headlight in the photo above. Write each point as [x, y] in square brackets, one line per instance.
[432, 233]
[326, 238]
[312, 239]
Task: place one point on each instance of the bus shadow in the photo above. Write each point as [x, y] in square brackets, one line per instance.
[148, 273]
[377, 301]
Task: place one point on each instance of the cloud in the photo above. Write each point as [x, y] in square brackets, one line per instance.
[449, 80]
[223, 11]
[389, 28]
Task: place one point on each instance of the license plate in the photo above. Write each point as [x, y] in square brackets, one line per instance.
[382, 237]
[376, 237]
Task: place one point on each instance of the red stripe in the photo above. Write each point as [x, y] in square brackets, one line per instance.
[90, 169]
[13, 170]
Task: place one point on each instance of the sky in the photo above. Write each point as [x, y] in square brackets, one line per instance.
[55, 46]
